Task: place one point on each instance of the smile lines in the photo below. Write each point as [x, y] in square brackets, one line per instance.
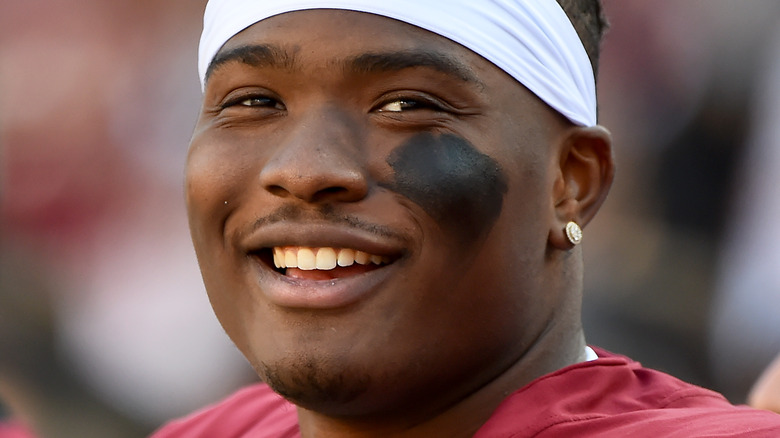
[322, 258]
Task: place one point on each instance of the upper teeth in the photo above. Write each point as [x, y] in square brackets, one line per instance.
[324, 258]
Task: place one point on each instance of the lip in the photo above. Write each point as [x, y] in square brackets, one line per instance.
[289, 292]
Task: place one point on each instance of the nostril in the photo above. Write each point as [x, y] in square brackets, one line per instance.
[330, 193]
[333, 190]
[333, 193]
[315, 179]
[276, 190]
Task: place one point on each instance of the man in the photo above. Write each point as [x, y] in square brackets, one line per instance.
[386, 200]
[765, 394]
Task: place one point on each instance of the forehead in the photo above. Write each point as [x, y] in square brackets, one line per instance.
[331, 36]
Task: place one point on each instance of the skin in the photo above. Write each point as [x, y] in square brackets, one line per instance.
[344, 129]
[765, 394]
[446, 174]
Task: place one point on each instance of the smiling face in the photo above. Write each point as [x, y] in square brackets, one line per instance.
[370, 205]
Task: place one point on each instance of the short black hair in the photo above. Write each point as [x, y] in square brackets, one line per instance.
[589, 21]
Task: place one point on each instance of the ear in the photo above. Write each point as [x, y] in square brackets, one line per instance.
[584, 174]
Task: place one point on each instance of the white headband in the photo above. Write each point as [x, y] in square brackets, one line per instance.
[531, 40]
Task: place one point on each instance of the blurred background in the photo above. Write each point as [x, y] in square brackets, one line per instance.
[105, 329]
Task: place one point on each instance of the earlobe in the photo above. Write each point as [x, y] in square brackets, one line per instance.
[584, 176]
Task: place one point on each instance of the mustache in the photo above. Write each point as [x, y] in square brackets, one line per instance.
[325, 214]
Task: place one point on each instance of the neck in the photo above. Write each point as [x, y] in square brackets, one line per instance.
[556, 348]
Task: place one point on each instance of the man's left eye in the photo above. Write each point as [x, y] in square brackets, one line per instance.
[400, 105]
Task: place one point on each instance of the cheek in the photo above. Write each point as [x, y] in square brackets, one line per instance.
[206, 192]
[211, 178]
[458, 186]
[215, 171]
[203, 192]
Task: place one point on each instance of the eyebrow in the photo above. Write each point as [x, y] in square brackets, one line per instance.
[268, 55]
[255, 55]
[395, 61]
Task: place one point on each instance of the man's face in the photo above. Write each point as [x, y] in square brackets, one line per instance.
[334, 135]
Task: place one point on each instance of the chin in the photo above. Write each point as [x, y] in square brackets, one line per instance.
[316, 384]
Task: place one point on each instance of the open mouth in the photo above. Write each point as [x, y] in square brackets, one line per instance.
[321, 263]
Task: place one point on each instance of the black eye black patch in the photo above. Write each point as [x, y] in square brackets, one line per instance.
[451, 180]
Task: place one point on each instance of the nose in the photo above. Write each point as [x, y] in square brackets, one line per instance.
[319, 161]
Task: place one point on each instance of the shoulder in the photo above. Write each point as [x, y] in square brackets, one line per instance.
[615, 397]
[10, 429]
[254, 411]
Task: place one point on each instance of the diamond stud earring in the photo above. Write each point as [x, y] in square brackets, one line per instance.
[573, 233]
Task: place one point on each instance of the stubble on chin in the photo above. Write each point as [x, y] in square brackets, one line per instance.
[313, 384]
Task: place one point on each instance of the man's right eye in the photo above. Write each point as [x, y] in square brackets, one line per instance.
[256, 101]
[252, 101]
